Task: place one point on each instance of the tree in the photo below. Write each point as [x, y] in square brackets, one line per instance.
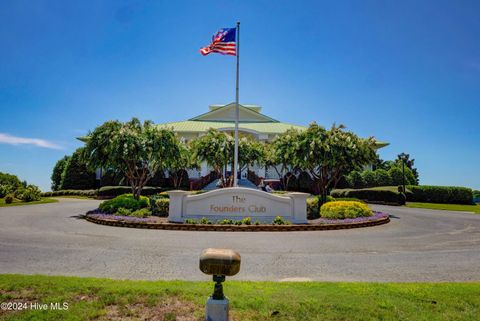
[57, 173]
[180, 164]
[409, 163]
[280, 156]
[216, 149]
[138, 150]
[328, 154]
[250, 152]
[76, 174]
[9, 183]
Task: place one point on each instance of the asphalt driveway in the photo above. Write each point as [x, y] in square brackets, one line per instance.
[417, 245]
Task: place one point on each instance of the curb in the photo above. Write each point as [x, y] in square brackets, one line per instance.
[238, 228]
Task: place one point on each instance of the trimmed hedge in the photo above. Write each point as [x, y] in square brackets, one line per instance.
[440, 194]
[71, 192]
[373, 195]
[345, 209]
[112, 191]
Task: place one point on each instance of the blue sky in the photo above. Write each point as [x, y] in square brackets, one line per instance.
[406, 72]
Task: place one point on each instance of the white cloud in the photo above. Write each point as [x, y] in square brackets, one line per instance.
[13, 140]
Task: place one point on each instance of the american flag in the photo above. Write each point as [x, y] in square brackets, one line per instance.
[223, 42]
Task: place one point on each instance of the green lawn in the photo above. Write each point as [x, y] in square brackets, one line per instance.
[20, 203]
[449, 207]
[104, 299]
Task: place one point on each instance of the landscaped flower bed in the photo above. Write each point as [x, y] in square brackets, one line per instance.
[374, 217]
[126, 211]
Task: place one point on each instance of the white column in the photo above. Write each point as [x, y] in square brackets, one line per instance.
[176, 205]
[299, 207]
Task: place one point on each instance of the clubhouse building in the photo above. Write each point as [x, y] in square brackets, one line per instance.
[252, 123]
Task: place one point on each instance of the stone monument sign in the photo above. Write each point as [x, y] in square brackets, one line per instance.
[236, 203]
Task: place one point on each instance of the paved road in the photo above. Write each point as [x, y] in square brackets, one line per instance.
[417, 245]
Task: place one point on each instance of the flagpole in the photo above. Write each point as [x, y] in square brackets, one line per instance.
[235, 158]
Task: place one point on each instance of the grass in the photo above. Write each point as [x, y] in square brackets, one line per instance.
[448, 207]
[104, 299]
[20, 203]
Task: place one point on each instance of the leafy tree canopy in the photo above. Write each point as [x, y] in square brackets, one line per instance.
[76, 174]
[134, 148]
[215, 148]
[57, 173]
[328, 154]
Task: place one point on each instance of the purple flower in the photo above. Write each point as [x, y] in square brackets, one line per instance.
[374, 217]
[128, 219]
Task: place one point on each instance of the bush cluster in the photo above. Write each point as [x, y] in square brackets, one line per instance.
[161, 207]
[9, 199]
[440, 194]
[312, 205]
[345, 209]
[381, 195]
[71, 192]
[476, 196]
[113, 191]
[30, 193]
[126, 202]
[380, 177]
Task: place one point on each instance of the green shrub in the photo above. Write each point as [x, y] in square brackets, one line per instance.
[378, 194]
[112, 191]
[440, 194]
[476, 196]
[355, 180]
[396, 175]
[247, 220]
[382, 177]
[123, 211]
[312, 206]
[5, 190]
[126, 201]
[368, 178]
[9, 199]
[163, 195]
[351, 199]
[279, 220]
[10, 181]
[30, 193]
[204, 220]
[161, 207]
[69, 192]
[190, 221]
[345, 209]
[143, 212]
[226, 221]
